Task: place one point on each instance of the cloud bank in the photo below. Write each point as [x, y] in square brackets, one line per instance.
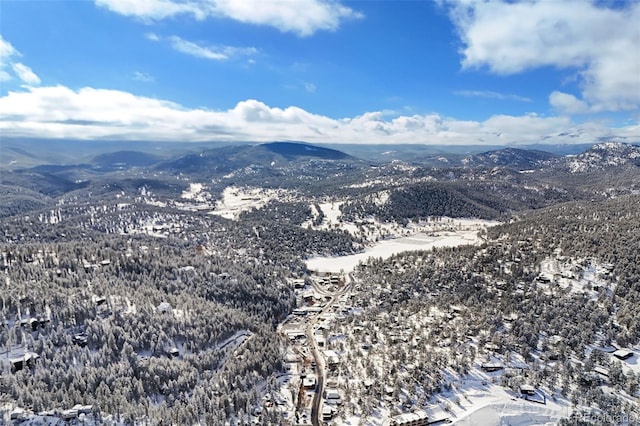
[89, 113]
[599, 44]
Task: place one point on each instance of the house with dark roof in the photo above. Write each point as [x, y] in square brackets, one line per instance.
[623, 354]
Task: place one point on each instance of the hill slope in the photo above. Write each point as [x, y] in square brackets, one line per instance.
[227, 159]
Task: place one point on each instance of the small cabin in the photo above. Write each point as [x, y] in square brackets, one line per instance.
[527, 390]
[491, 367]
[80, 339]
[27, 360]
[623, 354]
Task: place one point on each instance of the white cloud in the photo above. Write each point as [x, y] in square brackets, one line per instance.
[152, 10]
[492, 95]
[88, 113]
[25, 73]
[599, 44]
[194, 49]
[567, 103]
[143, 77]
[310, 87]
[6, 52]
[216, 53]
[301, 17]
[152, 36]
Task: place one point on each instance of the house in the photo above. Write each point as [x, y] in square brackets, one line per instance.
[173, 352]
[623, 354]
[530, 393]
[29, 359]
[296, 334]
[33, 323]
[83, 409]
[69, 414]
[99, 300]
[80, 339]
[332, 396]
[18, 414]
[543, 279]
[332, 359]
[491, 367]
[309, 382]
[511, 317]
[491, 347]
[553, 356]
[601, 370]
[527, 390]
[417, 418]
[327, 412]
[438, 419]
[308, 296]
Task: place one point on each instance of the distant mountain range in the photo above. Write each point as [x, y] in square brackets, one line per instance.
[26, 153]
[481, 184]
[227, 159]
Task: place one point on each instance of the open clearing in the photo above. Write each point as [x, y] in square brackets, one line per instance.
[462, 231]
[236, 200]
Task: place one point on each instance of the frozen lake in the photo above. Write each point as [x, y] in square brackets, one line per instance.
[387, 248]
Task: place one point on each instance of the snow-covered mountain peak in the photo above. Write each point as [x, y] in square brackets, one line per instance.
[604, 155]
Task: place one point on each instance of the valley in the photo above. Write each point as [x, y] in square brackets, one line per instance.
[291, 284]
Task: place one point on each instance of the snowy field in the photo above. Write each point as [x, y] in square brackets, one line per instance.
[577, 275]
[194, 192]
[467, 233]
[236, 200]
[476, 404]
[506, 410]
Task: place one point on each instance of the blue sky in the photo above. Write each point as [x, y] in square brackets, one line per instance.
[434, 72]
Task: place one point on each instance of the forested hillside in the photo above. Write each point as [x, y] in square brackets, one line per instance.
[422, 320]
[158, 294]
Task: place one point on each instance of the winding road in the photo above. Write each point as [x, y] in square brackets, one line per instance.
[316, 406]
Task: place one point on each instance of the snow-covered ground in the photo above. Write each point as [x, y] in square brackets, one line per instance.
[477, 401]
[459, 232]
[370, 229]
[501, 408]
[236, 200]
[579, 276]
[195, 192]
